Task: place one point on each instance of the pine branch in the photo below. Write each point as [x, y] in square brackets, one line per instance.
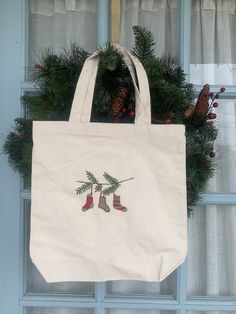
[105, 183]
[110, 179]
[83, 188]
[74, 55]
[91, 177]
[171, 70]
[143, 43]
[126, 180]
[23, 125]
[98, 188]
[109, 58]
[111, 189]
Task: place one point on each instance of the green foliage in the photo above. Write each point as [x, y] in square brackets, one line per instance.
[111, 189]
[169, 91]
[56, 76]
[111, 185]
[91, 177]
[18, 147]
[110, 179]
[114, 184]
[98, 188]
[143, 44]
[84, 188]
[112, 73]
[199, 166]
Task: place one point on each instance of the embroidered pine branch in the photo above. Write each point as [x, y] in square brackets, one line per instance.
[104, 183]
[84, 188]
[98, 188]
[110, 179]
[112, 184]
[111, 189]
[91, 177]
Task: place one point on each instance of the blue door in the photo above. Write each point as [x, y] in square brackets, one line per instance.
[207, 281]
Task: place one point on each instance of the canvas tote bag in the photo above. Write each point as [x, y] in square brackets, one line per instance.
[108, 200]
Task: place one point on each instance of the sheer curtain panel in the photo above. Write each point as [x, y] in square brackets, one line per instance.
[56, 24]
[212, 236]
[158, 16]
[213, 45]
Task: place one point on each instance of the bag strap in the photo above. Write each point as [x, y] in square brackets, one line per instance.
[82, 102]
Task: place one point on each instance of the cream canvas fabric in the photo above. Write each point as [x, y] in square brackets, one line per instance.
[139, 232]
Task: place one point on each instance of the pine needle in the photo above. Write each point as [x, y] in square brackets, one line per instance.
[143, 43]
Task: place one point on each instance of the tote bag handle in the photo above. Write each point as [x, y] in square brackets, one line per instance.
[82, 102]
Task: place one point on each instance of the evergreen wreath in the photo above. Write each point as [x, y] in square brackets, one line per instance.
[172, 101]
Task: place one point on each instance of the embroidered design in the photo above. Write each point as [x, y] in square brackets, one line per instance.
[110, 186]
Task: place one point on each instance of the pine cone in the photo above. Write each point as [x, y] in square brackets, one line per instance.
[118, 102]
[189, 112]
[201, 107]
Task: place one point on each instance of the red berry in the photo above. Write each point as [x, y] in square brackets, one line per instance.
[39, 66]
[212, 154]
[215, 105]
[211, 94]
[222, 89]
[24, 136]
[131, 106]
[167, 121]
[212, 116]
[72, 62]
[132, 114]
[124, 110]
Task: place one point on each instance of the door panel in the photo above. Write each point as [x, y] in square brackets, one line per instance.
[57, 310]
[10, 80]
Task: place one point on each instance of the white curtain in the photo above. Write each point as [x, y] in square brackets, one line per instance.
[225, 148]
[56, 24]
[212, 251]
[57, 310]
[158, 16]
[213, 45]
[212, 229]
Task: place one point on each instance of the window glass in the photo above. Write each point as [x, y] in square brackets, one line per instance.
[118, 311]
[212, 251]
[213, 42]
[61, 310]
[211, 312]
[57, 24]
[158, 16]
[124, 287]
[224, 179]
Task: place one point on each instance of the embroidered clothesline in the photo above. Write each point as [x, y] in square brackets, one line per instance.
[103, 183]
